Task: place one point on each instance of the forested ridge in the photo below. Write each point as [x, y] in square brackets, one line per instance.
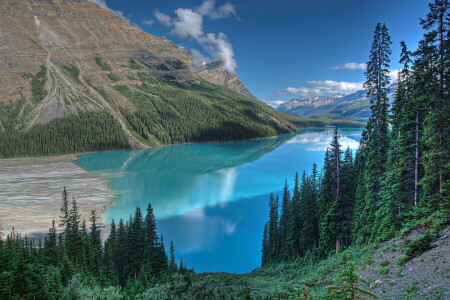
[161, 112]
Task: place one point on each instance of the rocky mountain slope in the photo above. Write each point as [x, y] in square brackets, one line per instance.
[354, 106]
[60, 58]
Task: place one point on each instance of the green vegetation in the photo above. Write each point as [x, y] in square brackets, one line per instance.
[348, 288]
[72, 71]
[113, 77]
[75, 262]
[134, 65]
[398, 179]
[162, 67]
[38, 91]
[87, 131]
[102, 64]
[175, 113]
[176, 64]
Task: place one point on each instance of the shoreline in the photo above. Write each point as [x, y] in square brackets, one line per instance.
[31, 187]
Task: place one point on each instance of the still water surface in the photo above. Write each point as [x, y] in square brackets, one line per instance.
[211, 200]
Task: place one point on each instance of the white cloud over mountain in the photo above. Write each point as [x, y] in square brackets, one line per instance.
[188, 24]
[327, 87]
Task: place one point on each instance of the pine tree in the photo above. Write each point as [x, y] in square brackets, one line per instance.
[296, 220]
[433, 56]
[330, 231]
[348, 286]
[64, 209]
[265, 245]
[274, 239]
[122, 255]
[398, 189]
[172, 263]
[95, 245]
[50, 246]
[72, 236]
[375, 137]
[285, 252]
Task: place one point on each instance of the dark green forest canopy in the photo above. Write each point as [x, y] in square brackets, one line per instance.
[162, 112]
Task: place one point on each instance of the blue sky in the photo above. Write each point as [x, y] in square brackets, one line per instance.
[286, 48]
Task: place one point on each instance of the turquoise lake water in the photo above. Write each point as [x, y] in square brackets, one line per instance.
[211, 200]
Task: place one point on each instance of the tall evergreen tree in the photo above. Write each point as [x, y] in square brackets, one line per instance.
[265, 245]
[375, 137]
[64, 209]
[172, 263]
[95, 245]
[274, 236]
[284, 222]
[434, 53]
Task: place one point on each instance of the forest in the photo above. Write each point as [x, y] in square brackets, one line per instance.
[397, 181]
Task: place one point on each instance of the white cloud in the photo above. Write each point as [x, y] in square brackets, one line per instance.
[328, 87]
[351, 66]
[220, 47]
[189, 24]
[163, 18]
[199, 58]
[274, 103]
[320, 141]
[148, 22]
[394, 74]
[102, 4]
[222, 12]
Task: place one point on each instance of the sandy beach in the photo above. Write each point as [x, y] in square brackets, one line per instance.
[30, 192]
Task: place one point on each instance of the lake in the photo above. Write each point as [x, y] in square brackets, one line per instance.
[211, 199]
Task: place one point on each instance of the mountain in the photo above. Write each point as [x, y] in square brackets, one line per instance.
[76, 78]
[354, 106]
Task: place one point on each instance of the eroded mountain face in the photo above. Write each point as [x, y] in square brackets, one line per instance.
[62, 58]
[56, 34]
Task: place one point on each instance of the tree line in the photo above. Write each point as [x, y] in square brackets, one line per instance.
[132, 257]
[399, 176]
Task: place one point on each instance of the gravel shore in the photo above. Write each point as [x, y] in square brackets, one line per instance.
[30, 192]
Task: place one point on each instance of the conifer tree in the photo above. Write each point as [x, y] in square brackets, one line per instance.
[50, 246]
[265, 245]
[64, 209]
[375, 137]
[397, 192]
[274, 239]
[95, 245]
[172, 263]
[284, 223]
[296, 220]
[433, 57]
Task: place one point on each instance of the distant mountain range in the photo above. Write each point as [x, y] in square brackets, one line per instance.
[355, 106]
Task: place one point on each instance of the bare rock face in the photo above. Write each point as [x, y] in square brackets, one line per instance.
[214, 72]
[57, 36]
